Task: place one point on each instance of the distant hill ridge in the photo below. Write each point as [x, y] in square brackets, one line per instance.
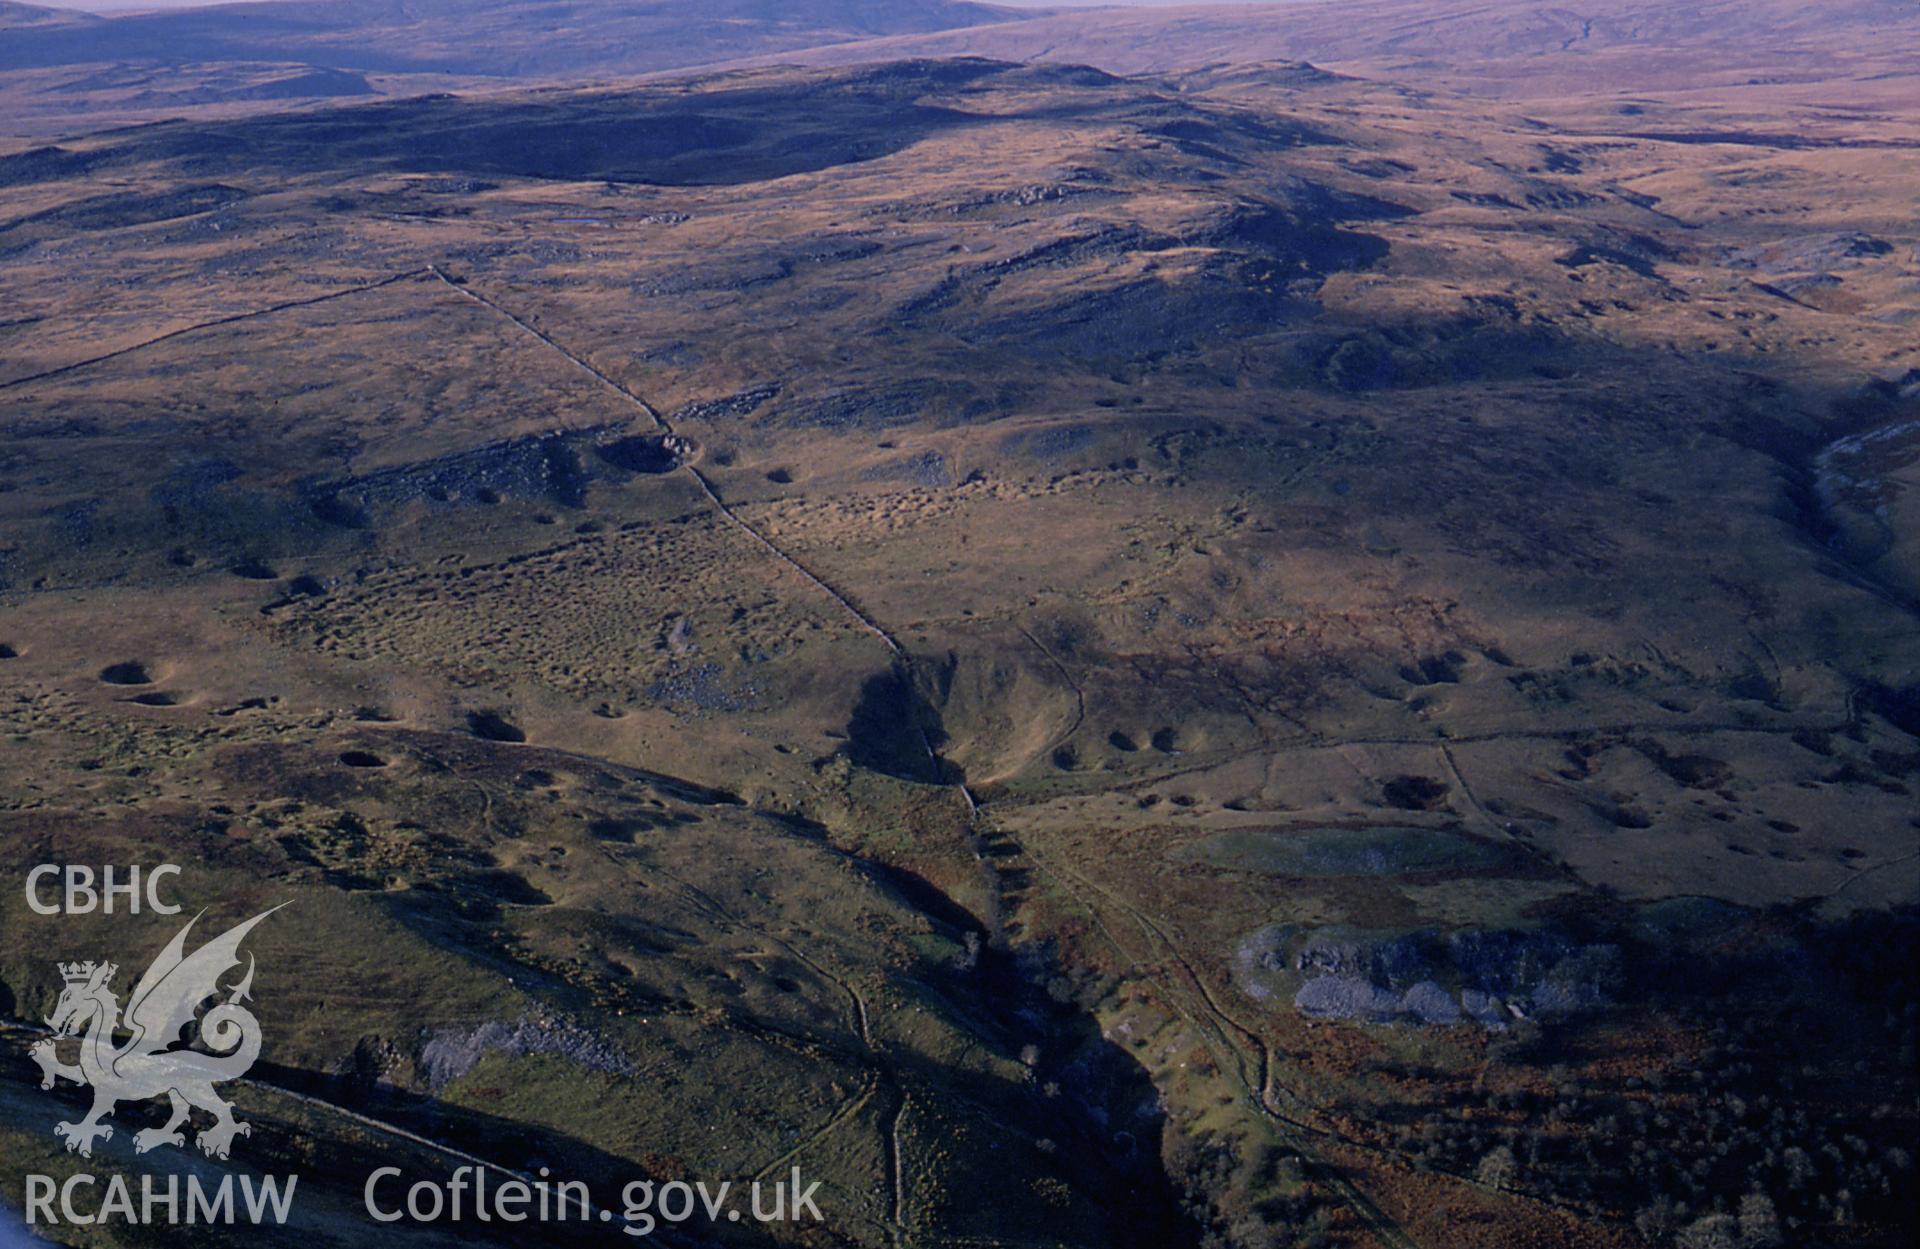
[611, 38]
[492, 38]
[26, 16]
[1500, 43]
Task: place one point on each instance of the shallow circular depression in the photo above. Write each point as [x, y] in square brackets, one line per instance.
[494, 727]
[648, 453]
[126, 672]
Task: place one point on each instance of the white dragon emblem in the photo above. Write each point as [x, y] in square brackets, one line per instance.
[151, 1061]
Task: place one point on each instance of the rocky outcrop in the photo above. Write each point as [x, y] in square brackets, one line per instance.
[1488, 977]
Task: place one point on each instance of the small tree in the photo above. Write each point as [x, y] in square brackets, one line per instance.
[1799, 1167]
[1716, 1231]
[1498, 1169]
[1656, 1221]
[968, 956]
[1759, 1222]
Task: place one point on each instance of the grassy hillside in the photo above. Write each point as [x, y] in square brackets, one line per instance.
[1248, 656]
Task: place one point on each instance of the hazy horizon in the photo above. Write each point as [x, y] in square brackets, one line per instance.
[138, 6]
